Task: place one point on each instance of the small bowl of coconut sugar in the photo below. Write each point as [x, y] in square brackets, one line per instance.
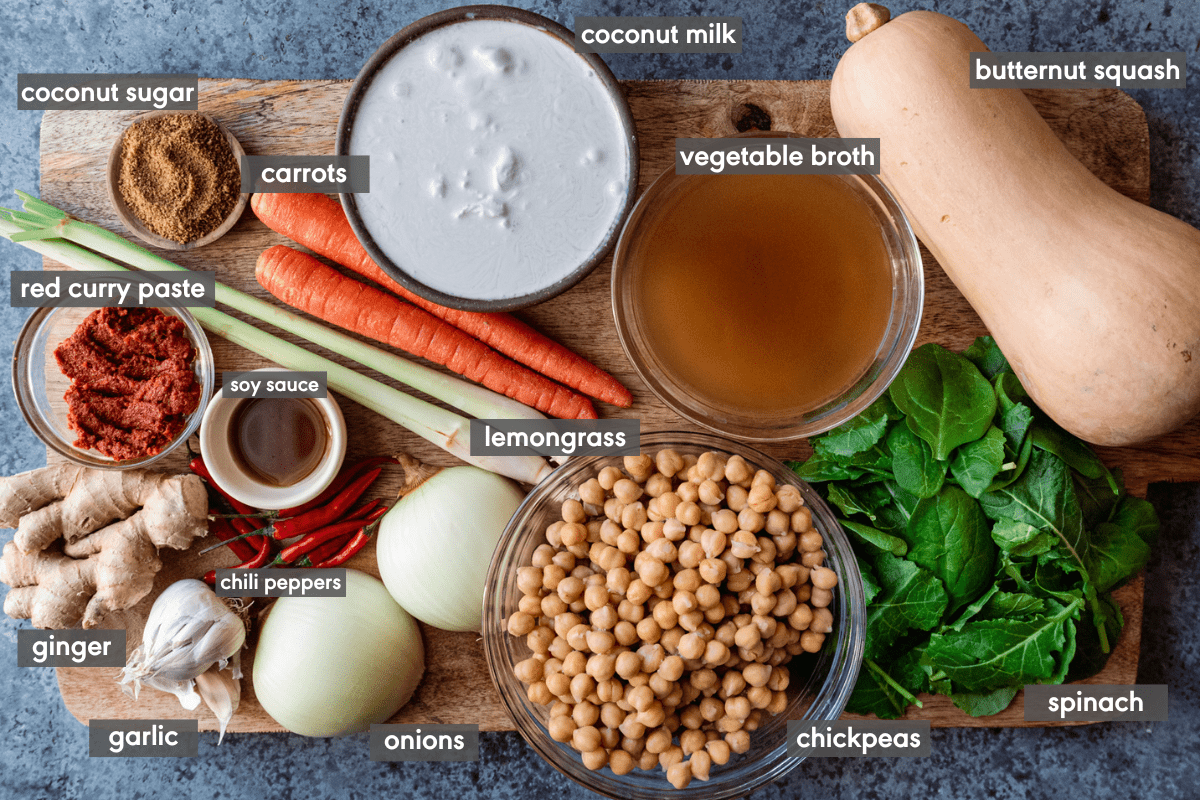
[503, 163]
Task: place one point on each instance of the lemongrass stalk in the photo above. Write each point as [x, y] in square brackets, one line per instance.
[443, 428]
[42, 221]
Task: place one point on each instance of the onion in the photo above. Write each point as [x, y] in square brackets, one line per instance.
[435, 545]
[330, 666]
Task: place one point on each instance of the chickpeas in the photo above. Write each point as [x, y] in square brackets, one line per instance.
[823, 578]
[585, 739]
[662, 606]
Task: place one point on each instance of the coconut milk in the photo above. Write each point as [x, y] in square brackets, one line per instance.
[498, 160]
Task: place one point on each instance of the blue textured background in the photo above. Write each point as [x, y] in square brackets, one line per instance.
[44, 751]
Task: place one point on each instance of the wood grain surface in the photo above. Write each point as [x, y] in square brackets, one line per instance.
[1106, 129]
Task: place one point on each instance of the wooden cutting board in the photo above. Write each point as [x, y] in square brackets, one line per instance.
[1106, 129]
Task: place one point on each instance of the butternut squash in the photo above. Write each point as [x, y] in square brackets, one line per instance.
[1093, 297]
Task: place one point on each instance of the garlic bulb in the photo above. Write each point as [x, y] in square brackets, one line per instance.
[189, 632]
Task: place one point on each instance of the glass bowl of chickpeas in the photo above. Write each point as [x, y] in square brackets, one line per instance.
[652, 622]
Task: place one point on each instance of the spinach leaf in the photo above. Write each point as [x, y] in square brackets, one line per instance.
[1044, 497]
[984, 705]
[875, 538]
[1012, 471]
[1058, 578]
[1074, 453]
[913, 464]
[951, 538]
[859, 433]
[1009, 604]
[871, 586]
[1065, 580]
[884, 504]
[1016, 409]
[908, 671]
[885, 692]
[875, 463]
[1021, 539]
[843, 497]
[820, 469]
[946, 399]
[971, 611]
[901, 508]
[985, 354]
[912, 598]
[1117, 554]
[986, 655]
[1137, 515]
[997, 604]
[976, 464]
[1090, 656]
[1062, 660]
[873, 695]
[1097, 498]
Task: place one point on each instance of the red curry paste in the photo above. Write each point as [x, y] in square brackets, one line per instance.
[132, 382]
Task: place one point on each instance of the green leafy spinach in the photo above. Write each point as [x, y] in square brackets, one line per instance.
[989, 538]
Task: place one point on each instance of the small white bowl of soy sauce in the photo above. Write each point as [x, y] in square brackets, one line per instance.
[273, 453]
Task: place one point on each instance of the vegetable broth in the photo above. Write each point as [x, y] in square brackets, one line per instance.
[763, 293]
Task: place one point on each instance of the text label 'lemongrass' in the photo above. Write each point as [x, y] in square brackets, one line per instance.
[555, 437]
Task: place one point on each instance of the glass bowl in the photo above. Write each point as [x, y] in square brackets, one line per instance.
[40, 386]
[821, 683]
[900, 331]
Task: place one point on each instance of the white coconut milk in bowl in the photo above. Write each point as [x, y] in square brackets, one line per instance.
[503, 163]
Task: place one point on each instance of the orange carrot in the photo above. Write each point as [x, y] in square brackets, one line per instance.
[318, 222]
[303, 282]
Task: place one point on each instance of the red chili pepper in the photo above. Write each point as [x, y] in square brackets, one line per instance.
[220, 527]
[260, 558]
[200, 469]
[331, 547]
[318, 537]
[334, 510]
[346, 553]
[347, 473]
[324, 551]
[364, 509]
[244, 525]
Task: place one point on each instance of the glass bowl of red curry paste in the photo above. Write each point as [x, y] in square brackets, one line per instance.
[125, 421]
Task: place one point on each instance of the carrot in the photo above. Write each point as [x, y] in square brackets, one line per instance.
[318, 222]
[303, 282]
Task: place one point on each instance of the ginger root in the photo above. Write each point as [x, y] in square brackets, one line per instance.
[103, 564]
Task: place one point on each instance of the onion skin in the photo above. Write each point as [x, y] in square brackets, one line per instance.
[436, 544]
[332, 666]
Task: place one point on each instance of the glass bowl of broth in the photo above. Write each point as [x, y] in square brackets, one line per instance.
[767, 307]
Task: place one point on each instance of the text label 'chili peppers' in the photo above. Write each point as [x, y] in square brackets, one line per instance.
[281, 583]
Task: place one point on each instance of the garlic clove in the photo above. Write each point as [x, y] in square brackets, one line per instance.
[184, 690]
[222, 693]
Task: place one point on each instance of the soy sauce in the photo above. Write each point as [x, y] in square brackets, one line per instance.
[278, 441]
